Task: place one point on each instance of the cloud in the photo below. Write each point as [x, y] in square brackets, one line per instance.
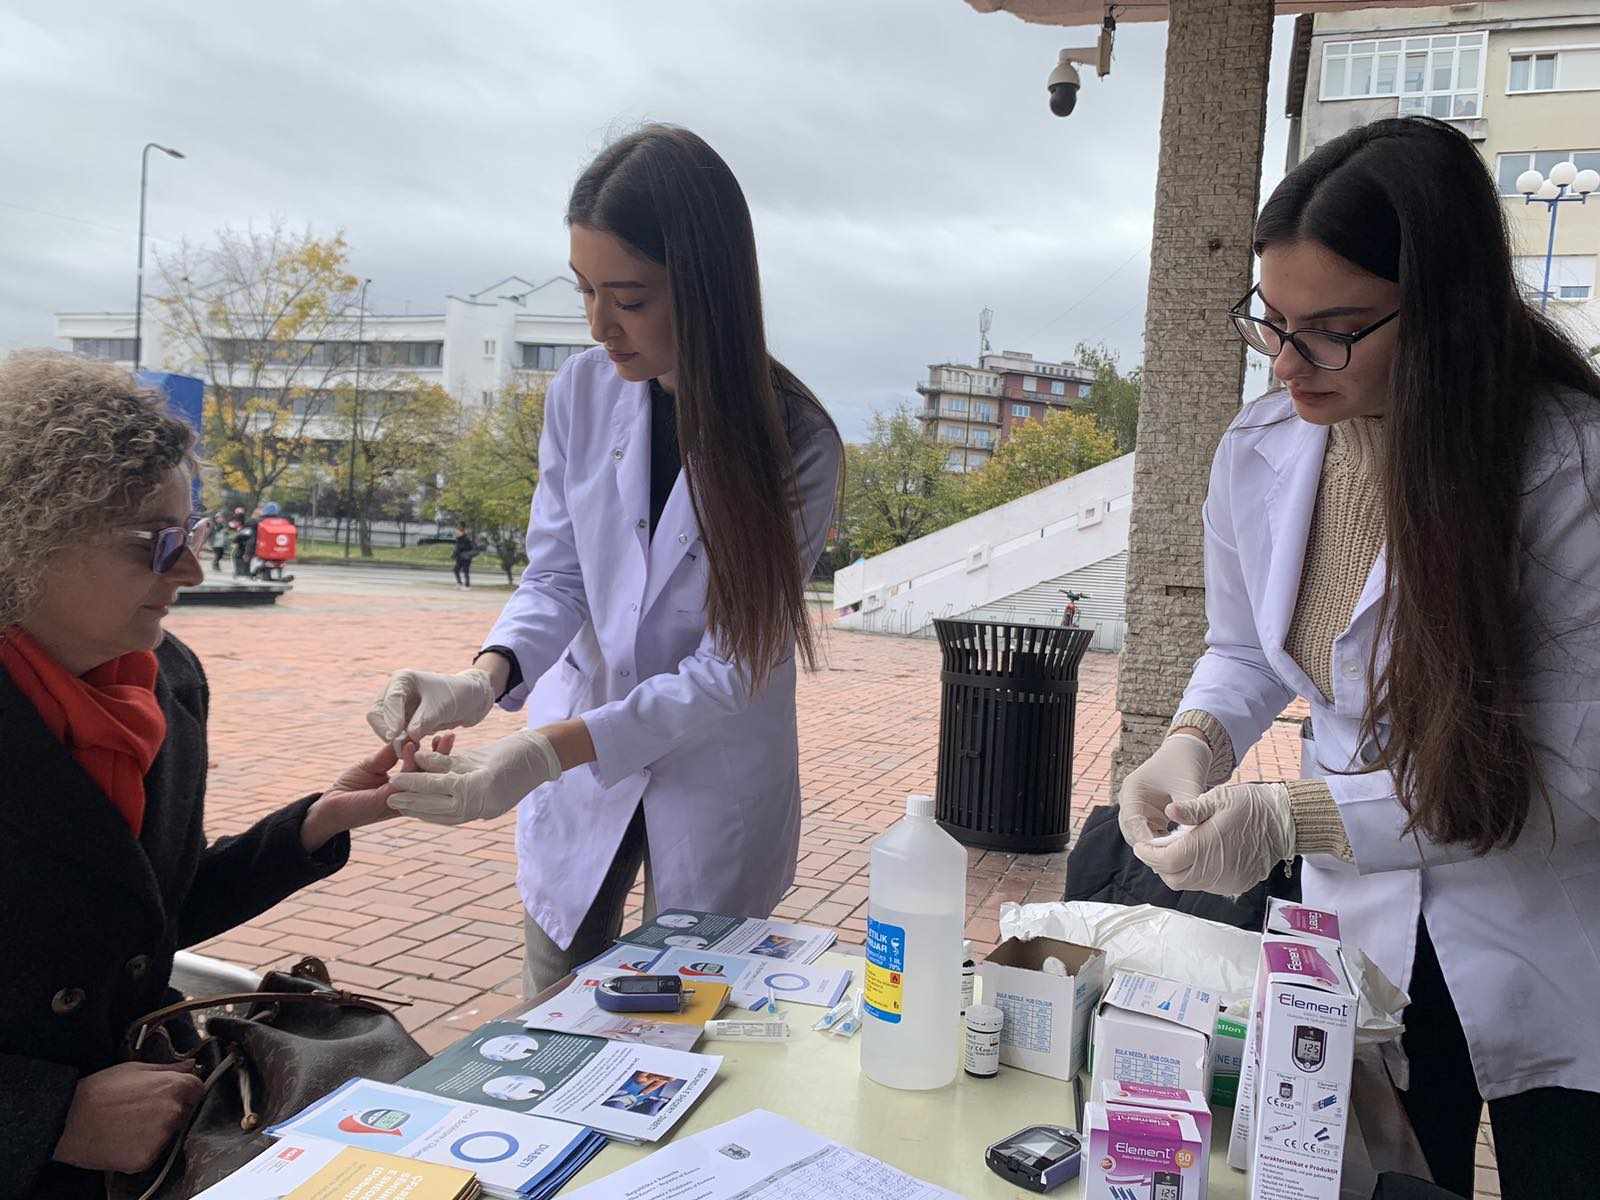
[900, 162]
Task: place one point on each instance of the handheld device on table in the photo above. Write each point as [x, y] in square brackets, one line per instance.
[642, 993]
[1038, 1158]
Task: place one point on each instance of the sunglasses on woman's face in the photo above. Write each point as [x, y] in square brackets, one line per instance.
[167, 545]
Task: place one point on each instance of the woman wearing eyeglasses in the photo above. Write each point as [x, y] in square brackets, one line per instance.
[1406, 535]
[105, 870]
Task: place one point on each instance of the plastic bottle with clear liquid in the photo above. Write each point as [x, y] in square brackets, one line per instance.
[916, 909]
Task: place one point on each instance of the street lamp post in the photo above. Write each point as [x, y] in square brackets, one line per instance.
[355, 416]
[138, 295]
[1566, 185]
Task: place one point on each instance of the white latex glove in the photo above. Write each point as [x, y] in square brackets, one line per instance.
[1175, 773]
[417, 703]
[475, 785]
[1241, 831]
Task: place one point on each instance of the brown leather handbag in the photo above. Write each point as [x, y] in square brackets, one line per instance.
[288, 1044]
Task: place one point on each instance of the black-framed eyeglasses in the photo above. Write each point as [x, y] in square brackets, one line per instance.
[1321, 348]
[167, 545]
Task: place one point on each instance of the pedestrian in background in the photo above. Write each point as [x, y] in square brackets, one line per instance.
[462, 555]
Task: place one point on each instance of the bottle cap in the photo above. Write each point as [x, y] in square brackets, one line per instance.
[985, 1018]
[919, 806]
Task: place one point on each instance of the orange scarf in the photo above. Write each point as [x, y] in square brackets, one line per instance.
[108, 719]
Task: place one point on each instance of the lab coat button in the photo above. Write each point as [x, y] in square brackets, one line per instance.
[1352, 669]
[67, 1001]
[625, 672]
[633, 608]
[138, 966]
[683, 539]
[642, 522]
[617, 454]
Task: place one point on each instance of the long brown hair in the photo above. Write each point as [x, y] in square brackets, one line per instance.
[670, 197]
[1409, 200]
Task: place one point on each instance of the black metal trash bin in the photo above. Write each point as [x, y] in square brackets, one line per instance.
[1010, 699]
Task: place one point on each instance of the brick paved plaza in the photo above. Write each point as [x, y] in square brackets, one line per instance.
[432, 913]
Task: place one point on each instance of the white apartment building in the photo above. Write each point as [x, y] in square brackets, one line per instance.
[478, 344]
[1520, 77]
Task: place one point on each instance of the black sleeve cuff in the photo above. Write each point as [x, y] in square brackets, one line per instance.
[35, 1097]
[514, 680]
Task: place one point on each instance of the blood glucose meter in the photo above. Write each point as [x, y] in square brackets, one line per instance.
[1038, 1158]
[642, 993]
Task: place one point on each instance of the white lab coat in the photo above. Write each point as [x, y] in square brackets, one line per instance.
[611, 623]
[1517, 930]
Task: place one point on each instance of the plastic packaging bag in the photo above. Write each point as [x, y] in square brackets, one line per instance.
[1174, 945]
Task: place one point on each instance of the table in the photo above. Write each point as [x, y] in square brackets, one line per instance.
[938, 1136]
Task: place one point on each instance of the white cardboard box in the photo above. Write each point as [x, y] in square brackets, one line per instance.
[1046, 1029]
[1154, 1031]
[1307, 1045]
[1288, 920]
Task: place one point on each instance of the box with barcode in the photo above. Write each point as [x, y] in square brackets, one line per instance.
[1047, 990]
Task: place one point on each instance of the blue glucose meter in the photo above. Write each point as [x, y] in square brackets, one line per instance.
[642, 993]
[1039, 1158]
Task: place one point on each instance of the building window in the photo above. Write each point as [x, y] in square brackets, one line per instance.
[1430, 76]
[1030, 384]
[1570, 70]
[1509, 166]
[952, 433]
[490, 347]
[1057, 388]
[104, 349]
[983, 438]
[983, 411]
[538, 357]
[1083, 391]
[954, 404]
[487, 396]
[1021, 412]
[955, 461]
[1571, 276]
[404, 354]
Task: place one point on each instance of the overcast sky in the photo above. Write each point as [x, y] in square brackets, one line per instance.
[898, 155]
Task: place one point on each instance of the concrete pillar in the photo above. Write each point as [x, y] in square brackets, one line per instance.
[1213, 121]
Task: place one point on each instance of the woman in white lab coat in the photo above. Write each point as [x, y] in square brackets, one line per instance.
[653, 633]
[1406, 535]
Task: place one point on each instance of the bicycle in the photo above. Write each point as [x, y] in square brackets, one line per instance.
[1069, 614]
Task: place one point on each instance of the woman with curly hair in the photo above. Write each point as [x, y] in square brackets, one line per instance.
[105, 871]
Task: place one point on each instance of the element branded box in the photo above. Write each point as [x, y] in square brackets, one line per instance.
[1306, 1012]
[1141, 1154]
[1286, 919]
[1046, 1029]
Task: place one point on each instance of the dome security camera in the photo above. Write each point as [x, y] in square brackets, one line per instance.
[1063, 86]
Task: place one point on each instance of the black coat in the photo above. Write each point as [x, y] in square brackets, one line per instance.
[92, 917]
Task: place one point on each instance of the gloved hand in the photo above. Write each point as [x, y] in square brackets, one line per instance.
[1176, 772]
[475, 784]
[417, 703]
[1240, 832]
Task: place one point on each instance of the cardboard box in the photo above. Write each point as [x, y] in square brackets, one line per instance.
[1154, 1031]
[1307, 1046]
[1141, 1154]
[1163, 1099]
[1284, 919]
[1227, 1054]
[1047, 1015]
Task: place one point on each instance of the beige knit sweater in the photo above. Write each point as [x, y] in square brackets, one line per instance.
[1347, 530]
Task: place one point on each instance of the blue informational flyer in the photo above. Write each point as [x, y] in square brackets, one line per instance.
[513, 1154]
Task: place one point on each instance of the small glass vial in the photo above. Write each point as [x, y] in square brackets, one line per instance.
[969, 978]
[982, 1055]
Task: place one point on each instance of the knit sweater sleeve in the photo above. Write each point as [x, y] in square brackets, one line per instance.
[1216, 735]
[1318, 828]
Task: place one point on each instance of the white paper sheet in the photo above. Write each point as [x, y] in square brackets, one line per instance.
[687, 929]
[760, 1156]
[573, 1010]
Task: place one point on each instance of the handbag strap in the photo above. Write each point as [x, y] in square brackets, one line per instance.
[336, 996]
[226, 1065]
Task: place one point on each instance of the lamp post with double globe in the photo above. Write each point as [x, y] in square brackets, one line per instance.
[1566, 185]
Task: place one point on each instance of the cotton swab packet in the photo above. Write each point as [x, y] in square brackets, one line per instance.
[1166, 839]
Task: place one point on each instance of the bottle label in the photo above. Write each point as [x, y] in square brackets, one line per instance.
[886, 962]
